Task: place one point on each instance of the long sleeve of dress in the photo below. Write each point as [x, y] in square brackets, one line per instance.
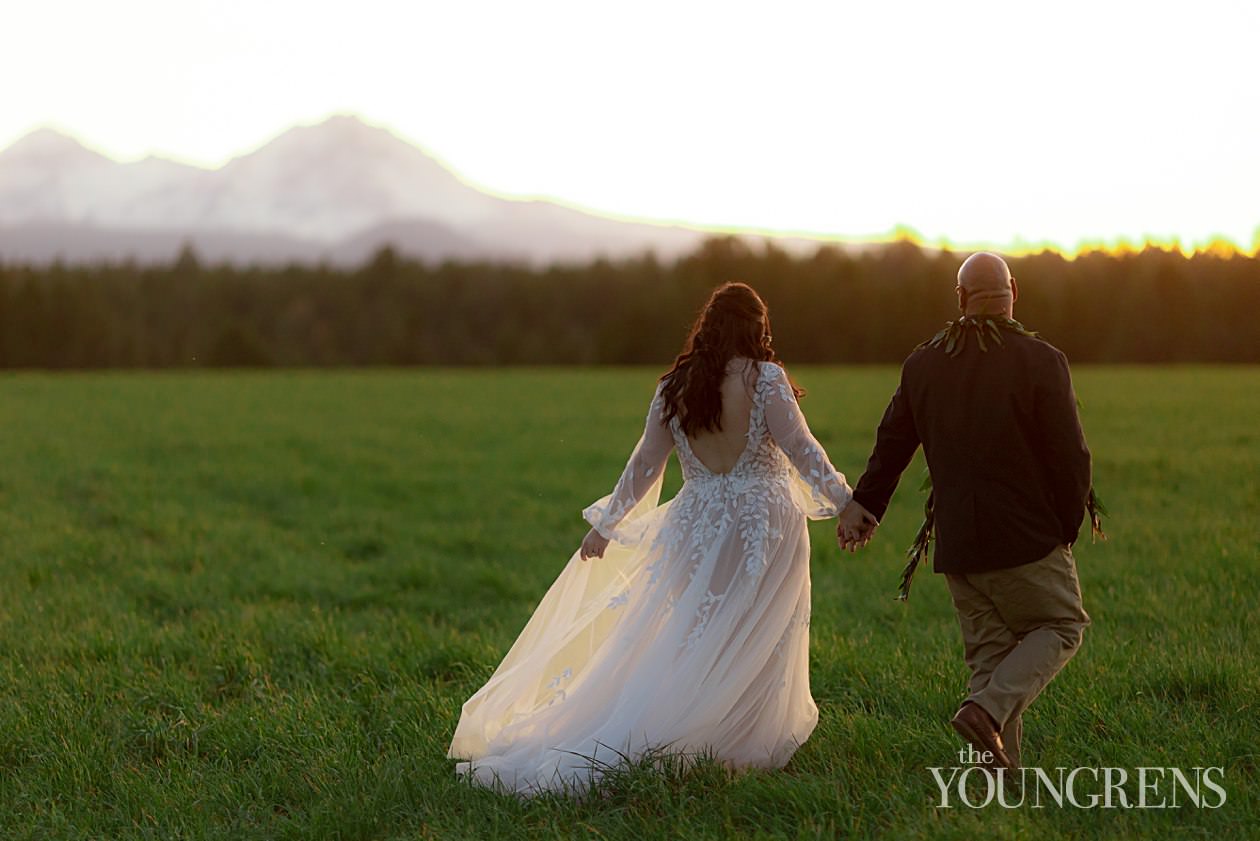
[620, 516]
[824, 490]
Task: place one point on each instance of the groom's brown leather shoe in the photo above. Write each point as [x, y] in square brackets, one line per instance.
[975, 725]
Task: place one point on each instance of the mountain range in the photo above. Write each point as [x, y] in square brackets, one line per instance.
[333, 192]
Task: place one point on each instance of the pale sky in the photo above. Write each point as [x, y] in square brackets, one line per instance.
[982, 123]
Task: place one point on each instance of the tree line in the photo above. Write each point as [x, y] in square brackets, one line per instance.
[870, 305]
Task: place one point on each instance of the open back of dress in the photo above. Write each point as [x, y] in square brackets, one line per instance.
[719, 450]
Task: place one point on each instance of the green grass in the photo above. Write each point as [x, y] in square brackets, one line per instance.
[249, 605]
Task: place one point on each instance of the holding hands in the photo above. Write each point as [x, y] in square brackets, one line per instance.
[855, 528]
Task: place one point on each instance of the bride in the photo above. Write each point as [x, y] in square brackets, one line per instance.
[680, 626]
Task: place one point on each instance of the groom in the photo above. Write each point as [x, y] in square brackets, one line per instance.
[994, 409]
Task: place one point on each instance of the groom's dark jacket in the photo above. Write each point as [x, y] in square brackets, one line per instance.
[1004, 446]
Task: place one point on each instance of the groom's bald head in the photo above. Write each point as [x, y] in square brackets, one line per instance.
[985, 286]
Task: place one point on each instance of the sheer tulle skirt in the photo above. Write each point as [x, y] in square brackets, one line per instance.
[691, 637]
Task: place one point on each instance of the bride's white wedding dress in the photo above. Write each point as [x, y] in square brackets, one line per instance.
[690, 634]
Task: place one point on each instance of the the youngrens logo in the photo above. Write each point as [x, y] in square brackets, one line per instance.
[974, 785]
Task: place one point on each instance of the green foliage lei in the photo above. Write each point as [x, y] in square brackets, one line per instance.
[954, 338]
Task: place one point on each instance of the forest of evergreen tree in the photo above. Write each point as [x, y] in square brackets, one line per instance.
[869, 305]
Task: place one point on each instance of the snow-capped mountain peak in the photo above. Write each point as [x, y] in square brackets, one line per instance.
[335, 179]
[341, 182]
[47, 146]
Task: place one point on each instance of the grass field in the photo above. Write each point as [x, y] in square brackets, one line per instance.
[249, 605]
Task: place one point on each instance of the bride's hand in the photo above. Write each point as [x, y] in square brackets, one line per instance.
[593, 545]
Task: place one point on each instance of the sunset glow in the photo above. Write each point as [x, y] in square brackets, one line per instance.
[974, 124]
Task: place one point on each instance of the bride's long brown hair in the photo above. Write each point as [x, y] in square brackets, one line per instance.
[734, 323]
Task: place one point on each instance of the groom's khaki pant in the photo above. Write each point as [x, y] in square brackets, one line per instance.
[1019, 626]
